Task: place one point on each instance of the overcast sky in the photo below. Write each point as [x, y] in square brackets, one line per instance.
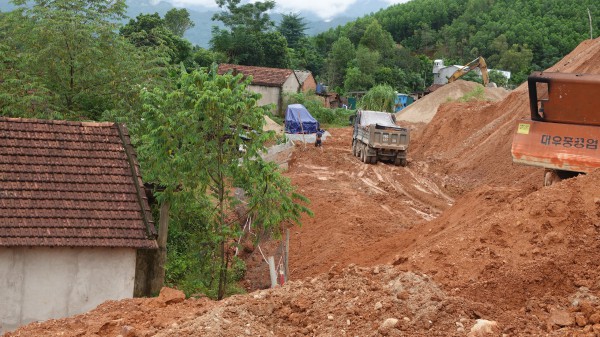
[323, 8]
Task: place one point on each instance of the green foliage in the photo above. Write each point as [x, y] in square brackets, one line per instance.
[306, 56]
[252, 17]
[326, 116]
[379, 98]
[178, 21]
[202, 141]
[248, 38]
[519, 36]
[378, 40]
[497, 78]
[150, 31]
[292, 27]
[64, 60]
[477, 94]
[356, 80]
[342, 52]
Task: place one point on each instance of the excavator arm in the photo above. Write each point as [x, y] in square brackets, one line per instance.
[476, 63]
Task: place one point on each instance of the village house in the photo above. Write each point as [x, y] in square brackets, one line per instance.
[272, 83]
[307, 81]
[74, 219]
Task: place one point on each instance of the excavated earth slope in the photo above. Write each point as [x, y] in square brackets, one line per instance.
[459, 235]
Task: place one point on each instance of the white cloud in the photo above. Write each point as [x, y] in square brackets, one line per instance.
[322, 8]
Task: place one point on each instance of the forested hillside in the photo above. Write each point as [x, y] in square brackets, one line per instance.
[519, 36]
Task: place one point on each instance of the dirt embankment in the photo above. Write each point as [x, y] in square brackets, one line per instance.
[424, 110]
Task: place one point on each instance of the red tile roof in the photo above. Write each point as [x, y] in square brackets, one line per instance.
[269, 77]
[71, 184]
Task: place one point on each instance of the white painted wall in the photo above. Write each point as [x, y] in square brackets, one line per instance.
[37, 284]
[270, 95]
[291, 84]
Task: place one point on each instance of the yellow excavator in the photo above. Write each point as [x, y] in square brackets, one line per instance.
[476, 63]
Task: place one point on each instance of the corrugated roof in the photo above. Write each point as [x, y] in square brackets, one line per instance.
[269, 77]
[72, 184]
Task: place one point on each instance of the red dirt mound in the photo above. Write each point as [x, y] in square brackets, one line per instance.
[525, 252]
[473, 140]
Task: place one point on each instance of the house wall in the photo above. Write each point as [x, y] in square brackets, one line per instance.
[37, 284]
[291, 84]
[270, 95]
[442, 76]
[309, 84]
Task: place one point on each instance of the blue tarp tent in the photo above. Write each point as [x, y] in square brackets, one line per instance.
[299, 120]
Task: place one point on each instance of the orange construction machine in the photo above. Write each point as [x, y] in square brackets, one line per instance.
[563, 132]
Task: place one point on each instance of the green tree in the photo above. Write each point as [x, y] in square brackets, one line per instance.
[379, 98]
[356, 80]
[150, 31]
[342, 52]
[70, 52]
[292, 26]
[367, 60]
[306, 56]
[247, 38]
[377, 39]
[252, 17]
[196, 141]
[205, 57]
[178, 21]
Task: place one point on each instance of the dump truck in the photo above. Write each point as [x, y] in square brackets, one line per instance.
[564, 128]
[376, 137]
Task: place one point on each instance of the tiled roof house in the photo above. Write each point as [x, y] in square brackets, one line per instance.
[73, 216]
[306, 79]
[271, 83]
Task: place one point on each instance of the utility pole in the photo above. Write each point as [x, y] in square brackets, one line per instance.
[591, 28]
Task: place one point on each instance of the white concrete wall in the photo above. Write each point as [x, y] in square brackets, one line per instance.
[291, 84]
[37, 284]
[270, 95]
[443, 74]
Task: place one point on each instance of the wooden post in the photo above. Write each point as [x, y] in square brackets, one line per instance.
[272, 272]
[591, 27]
[302, 130]
[286, 257]
[161, 257]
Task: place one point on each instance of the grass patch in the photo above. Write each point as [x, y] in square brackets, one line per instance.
[477, 94]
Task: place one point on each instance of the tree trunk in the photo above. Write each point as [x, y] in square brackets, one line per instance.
[161, 256]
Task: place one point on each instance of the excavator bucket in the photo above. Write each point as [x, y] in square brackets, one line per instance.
[564, 129]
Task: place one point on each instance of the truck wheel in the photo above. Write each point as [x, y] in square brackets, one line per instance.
[354, 148]
[398, 161]
[403, 162]
[363, 154]
[554, 176]
[373, 159]
[550, 177]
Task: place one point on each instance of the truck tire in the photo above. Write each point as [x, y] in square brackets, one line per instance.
[354, 148]
[363, 154]
[398, 161]
[555, 176]
[403, 162]
[373, 159]
[550, 177]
